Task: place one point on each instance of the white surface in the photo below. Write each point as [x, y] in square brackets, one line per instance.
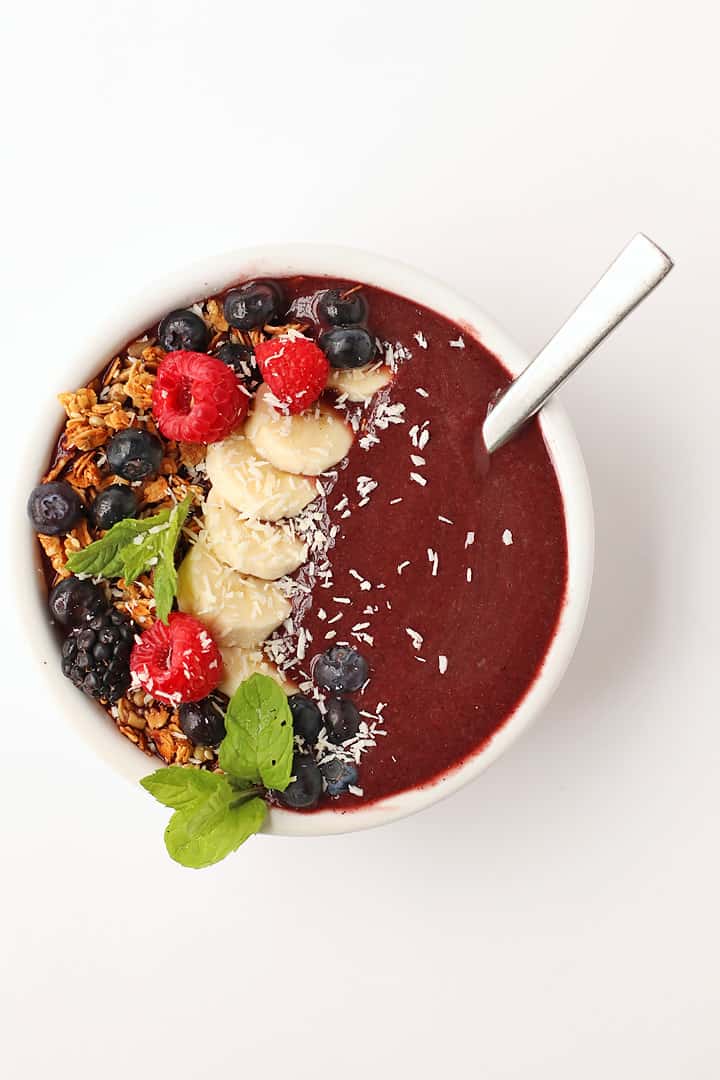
[559, 918]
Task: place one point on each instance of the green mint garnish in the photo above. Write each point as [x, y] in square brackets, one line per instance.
[214, 813]
[133, 546]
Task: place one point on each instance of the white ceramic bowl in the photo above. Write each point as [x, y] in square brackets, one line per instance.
[203, 279]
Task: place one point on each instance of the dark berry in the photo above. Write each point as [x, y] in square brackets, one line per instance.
[307, 718]
[348, 346]
[203, 721]
[74, 600]
[134, 454]
[341, 669]
[305, 790]
[236, 356]
[338, 775]
[54, 508]
[252, 305]
[96, 656]
[183, 330]
[342, 308]
[112, 505]
[342, 719]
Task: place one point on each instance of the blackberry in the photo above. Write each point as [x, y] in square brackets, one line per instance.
[96, 656]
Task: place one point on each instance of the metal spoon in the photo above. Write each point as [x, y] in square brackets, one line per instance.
[636, 271]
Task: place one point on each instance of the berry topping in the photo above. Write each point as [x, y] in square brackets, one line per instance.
[178, 662]
[343, 308]
[295, 369]
[203, 721]
[252, 305]
[342, 719]
[134, 454]
[238, 357]
[183, 330]
[196, 398]
[95, 657]
[341, 669]
[348, 346]
[112, 505]
[54, 508]
[307, 718]
[338, 776]
[73, 601]
[305, 789]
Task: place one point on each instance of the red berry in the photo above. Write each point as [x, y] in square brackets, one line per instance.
[295, 369]
[196, 398]
[178, 662]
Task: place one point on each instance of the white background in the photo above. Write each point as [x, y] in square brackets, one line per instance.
[558, 918]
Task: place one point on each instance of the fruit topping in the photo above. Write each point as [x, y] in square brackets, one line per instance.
[74, 600]
[183, 330]
[114, 504]
[341, 669]
[95, 656]
[253, 304]
[295, 369]
[196, 398]
[359, 384]
[307, 444]
[134, 454]
[176, 662]
[54, 508]
[252, 485]
[338, 776]
[250, 546]
[343, 308]
[238, 357]
[348, 346]
[307, 718]
[304, 790]
[203, 721]
[342, 719]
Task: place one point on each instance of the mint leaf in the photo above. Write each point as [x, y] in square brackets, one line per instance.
[165, 576]
[182, 788]
[107, 557]
[258, 745]
[205, 834]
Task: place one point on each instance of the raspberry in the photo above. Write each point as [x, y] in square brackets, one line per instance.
[196, 398]
[178, 662]
[295, 369]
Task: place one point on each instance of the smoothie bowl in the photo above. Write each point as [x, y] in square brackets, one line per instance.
[269, 558]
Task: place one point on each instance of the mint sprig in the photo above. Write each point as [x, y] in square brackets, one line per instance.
[216, 813]
[133, 546]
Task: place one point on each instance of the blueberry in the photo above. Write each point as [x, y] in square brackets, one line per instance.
[342, 719]
[112, 505]
[253, 304]
[340, 669]
[134, 454]
[338, 775]
[348, 346]
[74, 601]
[183, 330]
[342, 308]
[305, 790]
[203, 722]
[307, 718]
[54, 508]
[238, 357]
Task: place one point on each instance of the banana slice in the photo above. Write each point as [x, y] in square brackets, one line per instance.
[359, 384]
[248, 545]
[308, 443]
[253, 486]
[237, 610]
[240, 664]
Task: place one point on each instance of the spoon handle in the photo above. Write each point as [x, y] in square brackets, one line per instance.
[636, 271]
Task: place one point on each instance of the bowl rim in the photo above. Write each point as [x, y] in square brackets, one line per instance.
[203, 278]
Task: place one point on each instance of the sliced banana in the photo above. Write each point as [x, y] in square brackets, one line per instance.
[253, 486]
[359, 384]
[248, 545]
[239, 664]
[237, 610]
[305, 444]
